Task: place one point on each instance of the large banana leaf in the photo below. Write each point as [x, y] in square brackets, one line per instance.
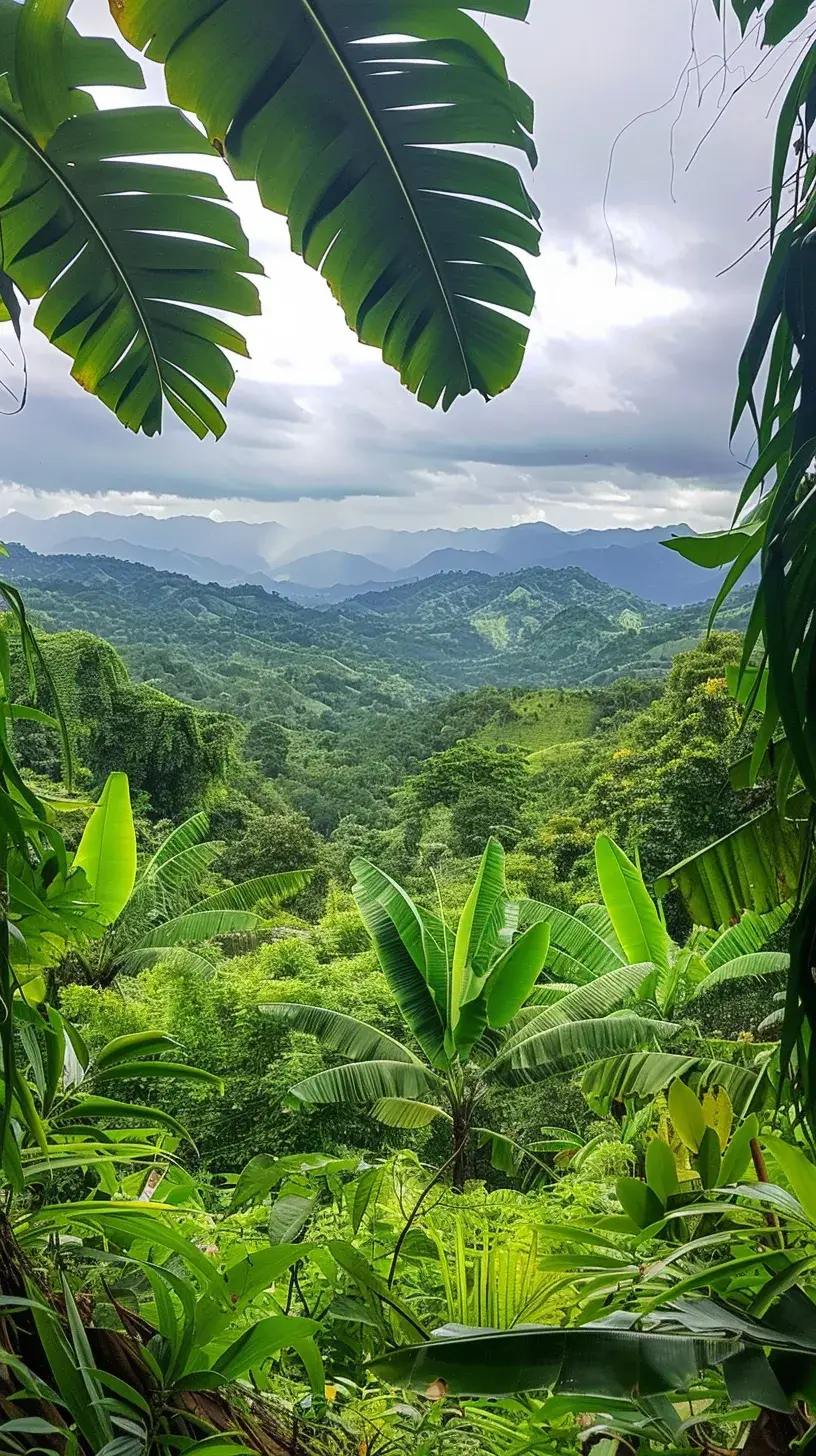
[643, 1075]
[348, 116]
[573, 1044]
[114, 247]
[199, 925]
[515, 974]
[193, 831]
[398, 931]
[182, 869]
[107, 850]
[481, 921]
[246, 896]
[751, 933]
[361, 1082]
[404, 1112]
[744, 968]
[756, 867]
[594, 1360]
[339, 1033]
[637, 924]
[597, 998]
[577, 952]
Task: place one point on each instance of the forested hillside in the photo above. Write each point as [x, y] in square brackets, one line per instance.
[418, 640]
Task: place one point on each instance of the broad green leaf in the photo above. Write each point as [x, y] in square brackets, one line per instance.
[405, 1112]
[708, 1158]
[799, 1171]
[396, 927]
[250, 893]
[364, 1195]
[262, 1340]
[756, 867]
[264, 1172]
[107, 849]
[354, 1263]
[719, 1114]
[85, 1108]
[515, 973]
[287, 1216]
[149, 1071]
[737, 1155]
[754, 967]
[750, 933]
[118, 254]
[243, 1282]
[639, 1202]
[192, 832]
[783, 17]
[477, 931]
[661, 1170]
[642, 1075]
[577, 951]
[66, 1369]
[595, 999]
[361, 1082]
[339, 1033]
[143, 1043]
[569, 1045]
[686, 1113]
[637, 924]
[416, 238]
[199, 925]
[593, 1360]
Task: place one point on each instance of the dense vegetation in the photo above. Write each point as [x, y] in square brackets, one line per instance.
[327, 1124]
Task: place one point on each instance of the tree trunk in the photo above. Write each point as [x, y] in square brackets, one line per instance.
[773, 1433]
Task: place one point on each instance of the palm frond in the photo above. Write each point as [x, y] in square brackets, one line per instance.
[642, 1075]
[412, 234]
[751, 933]
[199, 925]
[122, 253]
[398, 930]
[597, 998]
[193, 831]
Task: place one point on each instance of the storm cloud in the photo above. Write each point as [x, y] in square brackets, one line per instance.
[622, 410]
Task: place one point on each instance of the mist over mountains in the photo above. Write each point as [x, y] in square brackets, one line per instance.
[329, 567]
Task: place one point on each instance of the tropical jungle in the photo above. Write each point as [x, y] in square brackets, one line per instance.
[407, 1009]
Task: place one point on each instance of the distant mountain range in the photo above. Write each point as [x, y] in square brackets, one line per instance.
[328, 568]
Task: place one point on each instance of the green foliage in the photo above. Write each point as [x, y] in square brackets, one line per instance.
[267, 744]
[174, 753]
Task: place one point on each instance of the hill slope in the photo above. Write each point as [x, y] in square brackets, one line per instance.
[251, 652]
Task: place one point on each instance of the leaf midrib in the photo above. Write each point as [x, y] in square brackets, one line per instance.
[54, 172]
[337, 56]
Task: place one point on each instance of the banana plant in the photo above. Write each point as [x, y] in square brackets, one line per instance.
[134, 258]
[468, 1001]
[57, 903]
[164, 918]
[628, 926]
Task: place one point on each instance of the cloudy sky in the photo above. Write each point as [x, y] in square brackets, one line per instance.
[621, 413]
